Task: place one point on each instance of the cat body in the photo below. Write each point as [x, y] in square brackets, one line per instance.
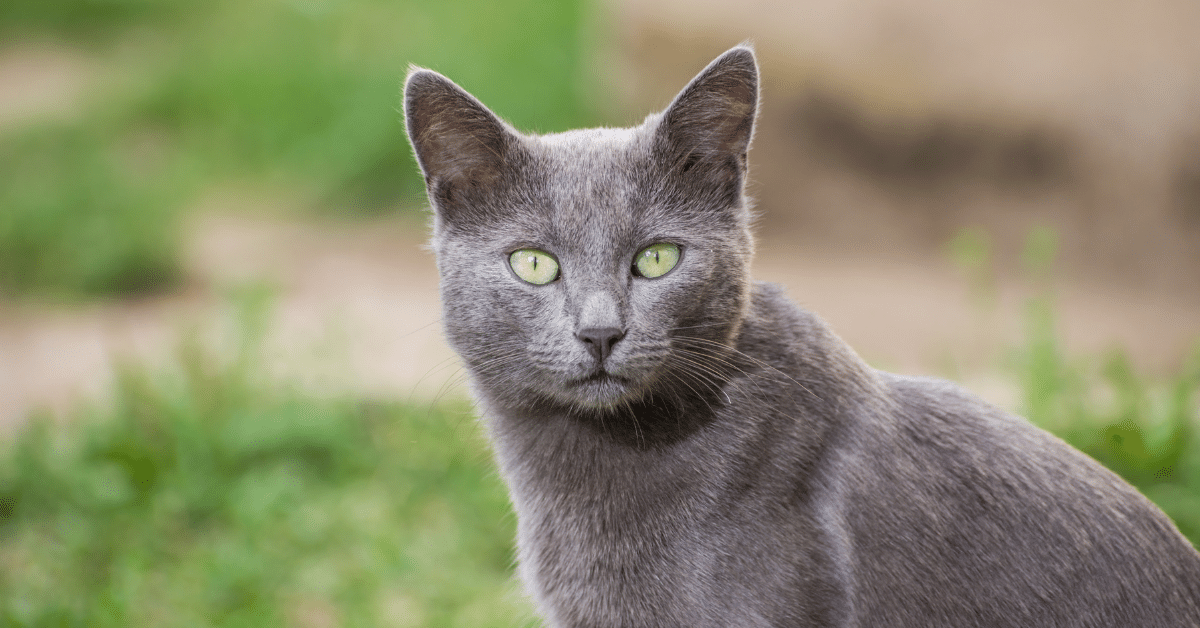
[685, 447]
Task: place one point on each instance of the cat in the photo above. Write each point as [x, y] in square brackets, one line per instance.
[685, 447]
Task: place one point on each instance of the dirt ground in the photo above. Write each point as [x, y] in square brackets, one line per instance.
[357, 311]
[854, 226]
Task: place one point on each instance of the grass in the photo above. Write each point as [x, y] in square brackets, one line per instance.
[79, 218]
[206, 495]
[300, 95]
[1141, 428]
[209, 497]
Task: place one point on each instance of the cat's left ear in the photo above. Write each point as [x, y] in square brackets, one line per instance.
[463, 149]
[706, 131]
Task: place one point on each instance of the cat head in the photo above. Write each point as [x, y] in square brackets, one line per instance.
[594, 268]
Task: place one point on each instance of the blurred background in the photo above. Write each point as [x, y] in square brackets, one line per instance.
[224, 398]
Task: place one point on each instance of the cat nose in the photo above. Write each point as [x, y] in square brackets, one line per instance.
[599, 340]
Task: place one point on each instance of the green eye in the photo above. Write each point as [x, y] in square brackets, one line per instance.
[534, 266]
[656, 260]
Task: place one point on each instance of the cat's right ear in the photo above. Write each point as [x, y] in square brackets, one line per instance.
[706, 132]
[461, 146]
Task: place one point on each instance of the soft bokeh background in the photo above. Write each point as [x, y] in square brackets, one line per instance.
[224, 399]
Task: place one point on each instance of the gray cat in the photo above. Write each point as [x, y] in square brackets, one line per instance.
[685, 447]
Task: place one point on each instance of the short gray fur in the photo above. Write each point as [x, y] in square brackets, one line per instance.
[733, 462]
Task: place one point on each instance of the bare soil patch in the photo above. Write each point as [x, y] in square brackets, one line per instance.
[357, 311]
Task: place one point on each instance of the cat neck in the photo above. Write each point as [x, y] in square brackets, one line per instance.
[789, 384]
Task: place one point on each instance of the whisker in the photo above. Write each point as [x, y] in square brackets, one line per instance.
[415, 330]
[695, 392]
[481, 367]
[708, 371]
[752, 359]
[437, 367]
[697, 326]
[715, 358]
[753, 377]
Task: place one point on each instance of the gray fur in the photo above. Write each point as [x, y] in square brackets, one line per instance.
[732, 462]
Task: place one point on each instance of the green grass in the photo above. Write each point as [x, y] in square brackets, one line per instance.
[82, 216]
[208, 497]
[205, 495]
[1142, 428]
[301, 96]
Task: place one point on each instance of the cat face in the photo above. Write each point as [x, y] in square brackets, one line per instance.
[592, 268]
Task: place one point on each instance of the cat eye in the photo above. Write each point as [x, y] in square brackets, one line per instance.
[533, 266]
[656, 260]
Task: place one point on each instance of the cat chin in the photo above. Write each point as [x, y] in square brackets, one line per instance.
[601, 391]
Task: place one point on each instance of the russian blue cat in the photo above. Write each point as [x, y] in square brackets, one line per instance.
[686, 448]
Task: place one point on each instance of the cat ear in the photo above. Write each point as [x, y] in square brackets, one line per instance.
[461, 146]
[706, 131]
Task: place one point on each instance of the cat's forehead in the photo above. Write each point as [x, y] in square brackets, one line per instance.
[588, 154]
[592, 177]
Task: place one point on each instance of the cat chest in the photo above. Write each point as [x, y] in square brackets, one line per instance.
[615, 567]
[689, 558]
[659, 538]
[674, 571]
[603, 537]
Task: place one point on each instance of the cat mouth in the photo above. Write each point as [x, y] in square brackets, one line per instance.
[600, 376]
[600, 387]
